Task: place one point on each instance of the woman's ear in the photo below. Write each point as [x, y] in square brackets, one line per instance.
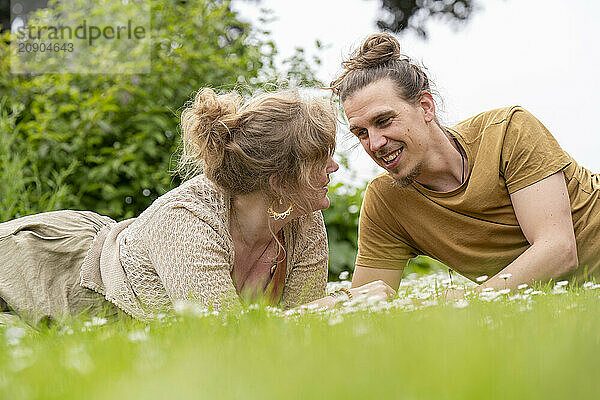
[275, 183]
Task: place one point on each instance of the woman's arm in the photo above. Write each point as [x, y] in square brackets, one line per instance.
[308, 278]
[377, 288]
[310, 282]
[190, 258]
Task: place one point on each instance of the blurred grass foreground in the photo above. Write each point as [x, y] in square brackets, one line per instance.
[530, 344]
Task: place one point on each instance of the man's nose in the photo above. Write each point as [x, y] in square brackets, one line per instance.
[376, 140]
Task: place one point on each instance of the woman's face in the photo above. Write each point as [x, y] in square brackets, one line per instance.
[319, 200]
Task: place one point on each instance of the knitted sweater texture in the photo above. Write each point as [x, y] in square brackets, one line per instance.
[180, 248]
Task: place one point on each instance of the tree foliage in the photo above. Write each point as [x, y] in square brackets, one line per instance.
[116, 134]
[341, 220]
[412, 15]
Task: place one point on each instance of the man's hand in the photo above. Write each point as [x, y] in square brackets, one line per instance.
[377, 289]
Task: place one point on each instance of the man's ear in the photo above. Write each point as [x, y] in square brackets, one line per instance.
[428, 105]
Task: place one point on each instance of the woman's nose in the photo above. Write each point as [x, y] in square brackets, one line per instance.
[332, 166]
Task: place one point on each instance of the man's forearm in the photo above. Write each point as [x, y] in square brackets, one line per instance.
[542, 261]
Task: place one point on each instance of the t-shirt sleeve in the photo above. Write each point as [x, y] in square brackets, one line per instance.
[307, 279]
[381, 243]
[529, 152]
[191, 259]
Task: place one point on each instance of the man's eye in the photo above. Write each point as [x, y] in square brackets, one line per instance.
[361, 133]
[384, 121]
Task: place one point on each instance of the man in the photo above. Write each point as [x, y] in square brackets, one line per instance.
[494, 196]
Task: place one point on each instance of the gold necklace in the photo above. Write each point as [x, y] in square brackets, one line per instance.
[274, 262]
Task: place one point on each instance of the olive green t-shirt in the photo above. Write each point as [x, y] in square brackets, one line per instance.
[473, 229]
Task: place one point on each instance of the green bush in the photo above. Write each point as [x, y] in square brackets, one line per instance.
[21, 192]
[110, 140]
[341, 219]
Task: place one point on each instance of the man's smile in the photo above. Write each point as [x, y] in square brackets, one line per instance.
[390, 159]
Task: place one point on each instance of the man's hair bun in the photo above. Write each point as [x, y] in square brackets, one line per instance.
[376, 50]
[380, 57]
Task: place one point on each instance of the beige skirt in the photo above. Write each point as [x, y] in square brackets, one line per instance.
[40, 262]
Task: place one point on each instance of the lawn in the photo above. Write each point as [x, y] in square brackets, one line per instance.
[526, 344]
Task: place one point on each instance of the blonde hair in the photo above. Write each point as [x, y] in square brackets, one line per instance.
[380, 57]
[239, 145]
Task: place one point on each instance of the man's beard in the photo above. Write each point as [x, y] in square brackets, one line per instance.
[404, 181]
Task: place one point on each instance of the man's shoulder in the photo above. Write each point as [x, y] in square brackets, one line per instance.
[384, 189]
[474, 125]
[383, 181]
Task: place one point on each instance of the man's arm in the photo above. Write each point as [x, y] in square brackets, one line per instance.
[544, 214]
[363, 275]
[383, 250]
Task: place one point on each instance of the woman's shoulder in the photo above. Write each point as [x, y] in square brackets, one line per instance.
[198, 197]
[199, 193]
[310, 233]
[312, 221]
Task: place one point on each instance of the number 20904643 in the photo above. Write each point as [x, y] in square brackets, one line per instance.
[45, 47]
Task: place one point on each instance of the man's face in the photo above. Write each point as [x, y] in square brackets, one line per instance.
[393, 132]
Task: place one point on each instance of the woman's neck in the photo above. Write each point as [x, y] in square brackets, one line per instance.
[250, 218]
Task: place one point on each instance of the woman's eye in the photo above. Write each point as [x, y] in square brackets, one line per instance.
[384, 121]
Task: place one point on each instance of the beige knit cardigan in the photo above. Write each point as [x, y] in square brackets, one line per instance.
[180, 248]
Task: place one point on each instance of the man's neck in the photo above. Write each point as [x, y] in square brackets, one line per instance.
[443, 168]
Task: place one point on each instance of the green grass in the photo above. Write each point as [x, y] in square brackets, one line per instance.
[518, 346]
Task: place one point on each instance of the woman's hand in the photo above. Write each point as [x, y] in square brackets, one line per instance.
[369, 292]
[378, 289]
[454, 294]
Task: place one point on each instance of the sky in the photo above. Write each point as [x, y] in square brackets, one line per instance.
[540, 54]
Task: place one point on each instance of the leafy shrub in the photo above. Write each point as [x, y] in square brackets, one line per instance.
[341, 219]
[20, 189]
[109, 140]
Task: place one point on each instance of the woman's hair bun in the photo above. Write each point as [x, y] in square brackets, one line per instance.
[208, 125]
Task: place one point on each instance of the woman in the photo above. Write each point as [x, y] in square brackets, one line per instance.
[248, 226]
[494, 197]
